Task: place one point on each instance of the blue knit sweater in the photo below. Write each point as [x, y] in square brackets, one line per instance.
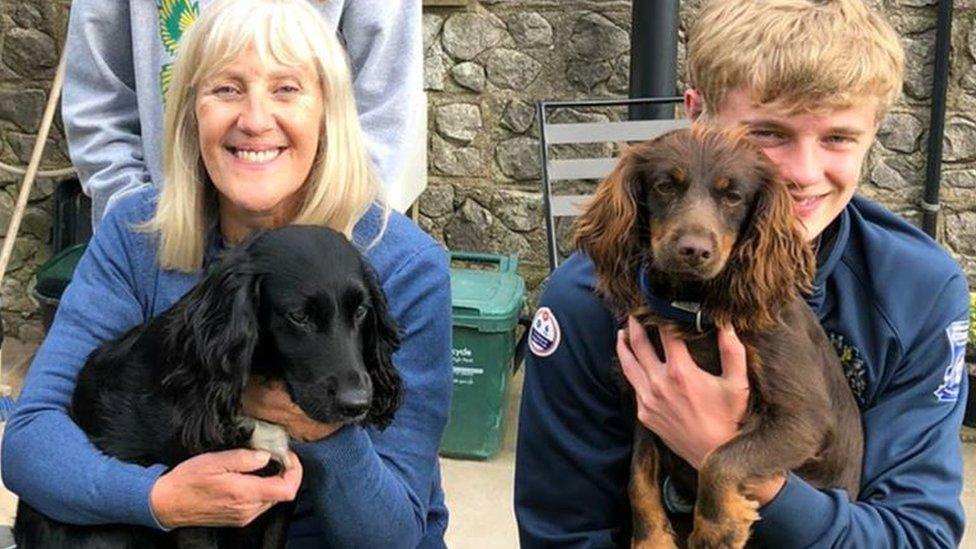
[362, 488]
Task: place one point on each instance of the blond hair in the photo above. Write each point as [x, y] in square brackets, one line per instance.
[802, 54]
[340, 186]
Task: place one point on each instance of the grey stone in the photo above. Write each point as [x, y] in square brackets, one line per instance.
[27, 50]
[512, 69]
[964, 179]
[518, 116]
[961, 232]
[596, 38]
[900, 132]
[885, 176]
[6, 212]
[505, 241]
[465, 35]
[919, 56]
[458, 121]
[433, 227]
[435, 69]
[470, 229]
[518, 158]
[437, 201]
[469, 75]
[619, 81]
[28, 17]
[15, 269]
[530, 30]
[969, 79]
[518, 211]
[586, 75]
[971, 42]
[431, 24]
[457, 161]
[960, 140]
[23, 146]
[22, 107]
[36, 222]
[43, 188]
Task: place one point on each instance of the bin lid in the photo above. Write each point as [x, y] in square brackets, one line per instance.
[487, 294]
[54, 275]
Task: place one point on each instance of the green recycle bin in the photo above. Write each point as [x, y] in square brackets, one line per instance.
[486, 296]
[52, 278]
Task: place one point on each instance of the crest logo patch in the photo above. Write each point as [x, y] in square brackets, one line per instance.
[544, 334]
[853, 363]
[957, 332]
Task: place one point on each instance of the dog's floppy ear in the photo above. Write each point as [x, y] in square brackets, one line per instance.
[770, 263]
[212, 334]
[380, 340]
[608, 232]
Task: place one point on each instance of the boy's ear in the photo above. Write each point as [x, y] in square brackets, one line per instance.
[694, 104]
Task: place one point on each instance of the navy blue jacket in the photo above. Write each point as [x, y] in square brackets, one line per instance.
[895, 306]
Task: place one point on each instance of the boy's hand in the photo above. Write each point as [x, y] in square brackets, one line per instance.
[693, 411]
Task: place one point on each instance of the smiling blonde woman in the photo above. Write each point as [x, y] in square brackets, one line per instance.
[340, 183]
[261, 132]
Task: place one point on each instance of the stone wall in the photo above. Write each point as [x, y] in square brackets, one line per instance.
[489, 61]
[486, 64]
[31, 32]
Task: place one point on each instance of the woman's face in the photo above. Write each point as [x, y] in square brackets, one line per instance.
[259, 126]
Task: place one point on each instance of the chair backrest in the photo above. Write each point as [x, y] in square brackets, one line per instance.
[563, 203]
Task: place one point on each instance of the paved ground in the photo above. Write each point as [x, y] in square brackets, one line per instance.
[479, 493]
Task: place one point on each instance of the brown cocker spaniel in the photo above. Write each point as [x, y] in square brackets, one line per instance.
[695, 229]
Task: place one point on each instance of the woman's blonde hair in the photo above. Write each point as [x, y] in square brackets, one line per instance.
[802, 54]
[340, 186]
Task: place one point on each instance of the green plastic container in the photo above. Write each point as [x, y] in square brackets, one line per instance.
[53, 277]
[486, 296]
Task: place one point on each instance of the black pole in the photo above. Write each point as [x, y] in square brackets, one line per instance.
[653, 55]
[940, 83]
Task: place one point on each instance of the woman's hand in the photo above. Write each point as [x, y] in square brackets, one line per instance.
[270, 401]
[215, 489]
[693, 411]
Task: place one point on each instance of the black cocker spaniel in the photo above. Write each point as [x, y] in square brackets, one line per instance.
[297, 304]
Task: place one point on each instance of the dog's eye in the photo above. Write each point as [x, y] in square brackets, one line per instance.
[299, 318]
[361, 312]
[732, 198]
[666, 187]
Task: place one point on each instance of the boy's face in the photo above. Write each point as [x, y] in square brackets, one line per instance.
[820, 155]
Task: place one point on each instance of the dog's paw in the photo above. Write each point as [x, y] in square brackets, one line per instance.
[730, 528]
[273, 439]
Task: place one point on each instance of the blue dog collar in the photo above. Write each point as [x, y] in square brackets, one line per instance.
[686, 313]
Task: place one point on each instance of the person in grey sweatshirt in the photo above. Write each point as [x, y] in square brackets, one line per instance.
[120, 55]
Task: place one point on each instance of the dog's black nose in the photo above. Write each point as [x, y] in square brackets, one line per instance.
[353, 402]
[694, 249]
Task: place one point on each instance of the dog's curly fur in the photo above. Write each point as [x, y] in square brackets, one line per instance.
[297, 304]
[706, 214]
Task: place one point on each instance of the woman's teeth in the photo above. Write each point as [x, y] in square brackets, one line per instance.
[257, 157]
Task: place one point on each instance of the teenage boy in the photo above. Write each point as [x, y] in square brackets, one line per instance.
[809, 81]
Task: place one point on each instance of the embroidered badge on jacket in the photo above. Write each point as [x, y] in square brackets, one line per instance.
[957, 332]
[544, 334]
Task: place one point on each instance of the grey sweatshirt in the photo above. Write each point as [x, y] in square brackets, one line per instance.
[117, 62]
